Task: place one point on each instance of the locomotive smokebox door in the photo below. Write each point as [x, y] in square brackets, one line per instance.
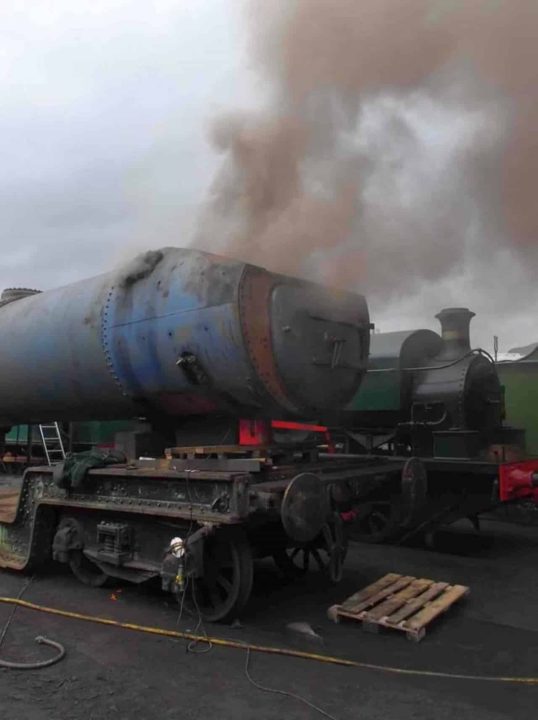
[321, 342]
[304, 508]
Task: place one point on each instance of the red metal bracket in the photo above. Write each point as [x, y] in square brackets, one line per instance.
[254, 432]
[259, 432]
[518, 480]
[290, 425]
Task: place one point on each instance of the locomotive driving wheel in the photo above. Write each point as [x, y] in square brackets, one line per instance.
[224, 589]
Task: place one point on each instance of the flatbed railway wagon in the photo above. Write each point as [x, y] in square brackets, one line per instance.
[192, 343]
[185, 340]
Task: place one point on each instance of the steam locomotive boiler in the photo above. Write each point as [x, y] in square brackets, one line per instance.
[178, 334]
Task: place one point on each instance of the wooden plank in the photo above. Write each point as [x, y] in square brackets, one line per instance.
[436, 607]
[9, 502]
[7, 496]
[417, 603]
[9, 559]
[219, 450]
[397, 600]
[357, 597]
[415, 635]
[381, 595]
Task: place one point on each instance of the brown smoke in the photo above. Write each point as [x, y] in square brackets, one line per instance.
[297, 192]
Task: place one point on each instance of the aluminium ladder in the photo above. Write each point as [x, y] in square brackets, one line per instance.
[51, 437]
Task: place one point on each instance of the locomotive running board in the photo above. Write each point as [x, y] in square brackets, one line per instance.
[399, 602]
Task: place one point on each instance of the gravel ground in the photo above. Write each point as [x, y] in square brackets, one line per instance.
[115, 673]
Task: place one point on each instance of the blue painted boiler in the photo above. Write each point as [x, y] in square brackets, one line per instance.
[181, 332]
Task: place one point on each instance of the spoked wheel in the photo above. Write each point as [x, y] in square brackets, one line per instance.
[380, 523]
[294, 562]
[86, 571]
[329, 558]
[225, 587]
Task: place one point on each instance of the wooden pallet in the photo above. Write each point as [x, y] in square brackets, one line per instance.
[399, 602]
[218, 451]
[262, 453]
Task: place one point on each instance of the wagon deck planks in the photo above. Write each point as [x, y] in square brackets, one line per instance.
[399, 602]
[9, 502]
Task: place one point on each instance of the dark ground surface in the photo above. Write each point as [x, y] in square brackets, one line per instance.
[115, 673]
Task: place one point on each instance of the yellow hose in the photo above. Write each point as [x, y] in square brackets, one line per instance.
[265, 648]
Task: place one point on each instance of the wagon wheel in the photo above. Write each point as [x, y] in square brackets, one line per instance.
[293, 562]
[225, 587]
[82, 567]
[328, 556]
[380, 524]
[86, 571]
[296, 562]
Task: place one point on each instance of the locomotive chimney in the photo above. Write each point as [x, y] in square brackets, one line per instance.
[455, 324]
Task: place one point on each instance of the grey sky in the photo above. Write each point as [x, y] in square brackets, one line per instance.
[103, 127]
[104, 152]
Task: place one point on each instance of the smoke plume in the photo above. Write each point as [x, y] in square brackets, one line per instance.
[396, 146]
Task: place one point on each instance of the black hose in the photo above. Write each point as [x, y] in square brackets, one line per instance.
[40, 663]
